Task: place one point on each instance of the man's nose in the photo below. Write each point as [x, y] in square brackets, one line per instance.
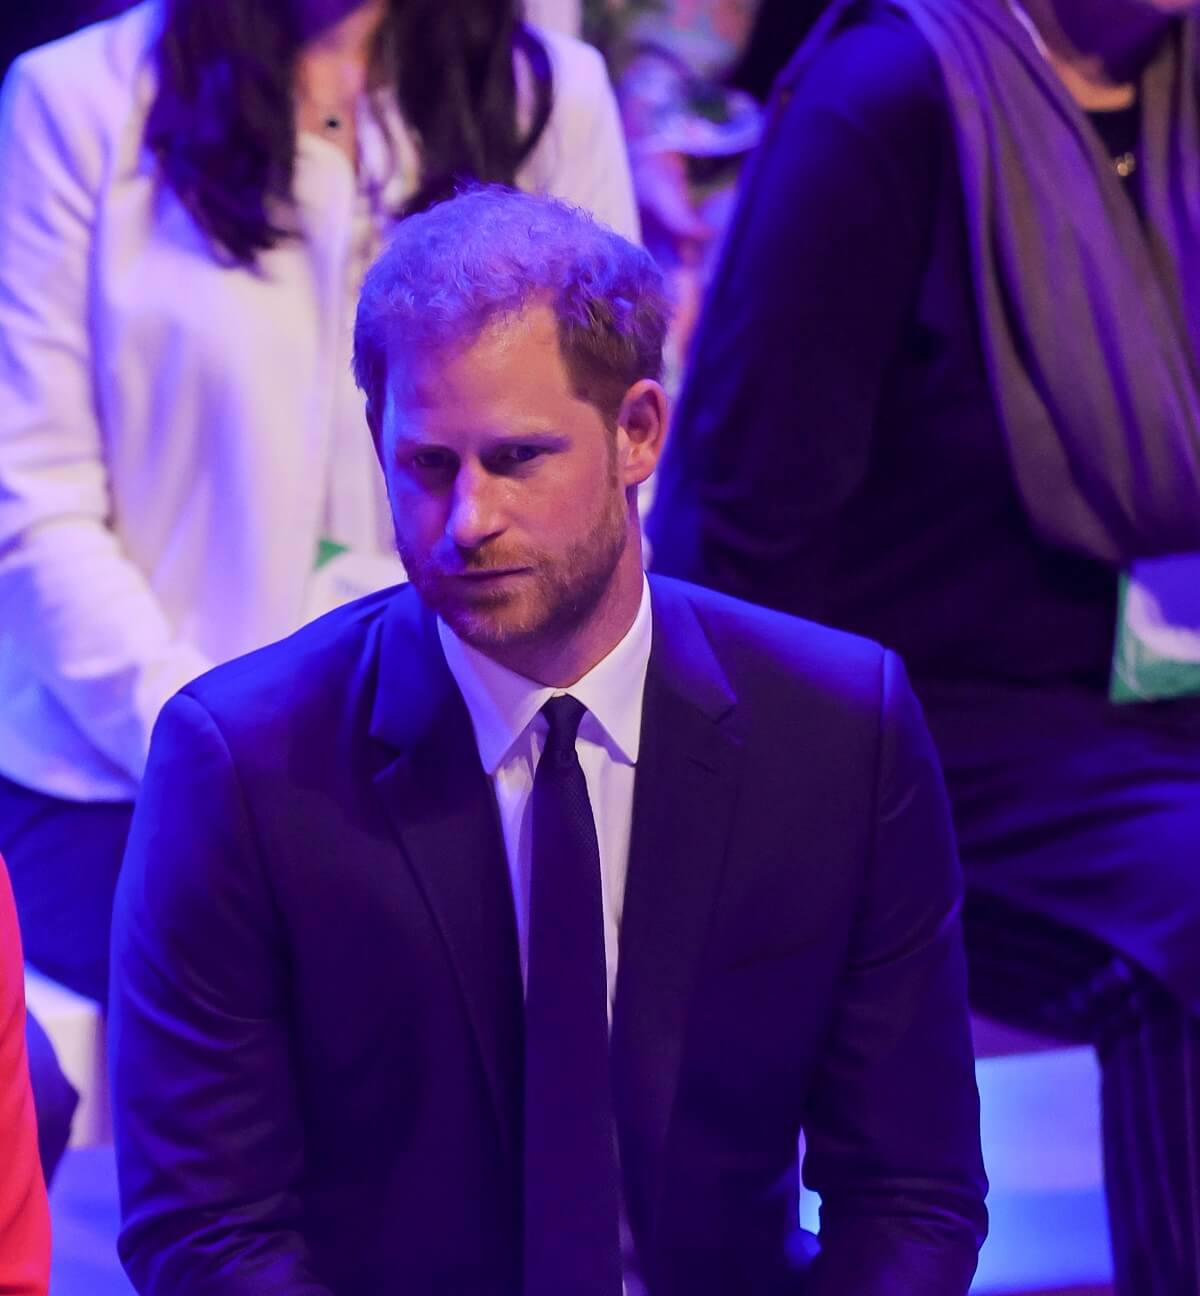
[474, 509]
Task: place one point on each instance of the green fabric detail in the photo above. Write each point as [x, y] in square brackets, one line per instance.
[327, 550]
[1139, 674]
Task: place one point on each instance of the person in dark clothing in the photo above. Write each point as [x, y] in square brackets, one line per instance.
[940, 274]
[384, 893]
[779, 27]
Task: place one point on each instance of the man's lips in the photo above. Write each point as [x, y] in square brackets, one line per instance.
[487, 573]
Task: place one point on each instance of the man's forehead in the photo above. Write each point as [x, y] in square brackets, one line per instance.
[418, 372]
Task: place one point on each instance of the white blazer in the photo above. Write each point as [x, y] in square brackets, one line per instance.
[166, 423]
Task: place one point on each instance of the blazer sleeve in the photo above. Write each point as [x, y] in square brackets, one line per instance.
[581, 156]
[75, 608]
[774, 431]
[209, 1135]
[893, 1125]
[24, 1214]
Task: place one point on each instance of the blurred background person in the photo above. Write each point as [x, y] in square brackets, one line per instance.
[21, 28]
[944, 392]
[691, 77]
[190, 193]
[24, 1214]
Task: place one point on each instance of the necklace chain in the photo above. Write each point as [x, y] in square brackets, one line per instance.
[334, 111]
[329, 120]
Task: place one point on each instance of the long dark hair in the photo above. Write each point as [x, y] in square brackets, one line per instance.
[222, 125]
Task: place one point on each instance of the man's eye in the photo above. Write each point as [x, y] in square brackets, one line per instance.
[512, 455]
[430, 461]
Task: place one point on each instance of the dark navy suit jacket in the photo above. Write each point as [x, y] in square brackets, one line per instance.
[317, 1005]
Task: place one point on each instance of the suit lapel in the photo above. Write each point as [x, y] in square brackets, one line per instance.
[686, 786]
[442, 809]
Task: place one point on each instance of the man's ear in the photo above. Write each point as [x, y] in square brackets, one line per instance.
[375, 423]
[641, 431]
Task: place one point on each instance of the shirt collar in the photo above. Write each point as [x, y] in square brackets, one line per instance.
[502, 704]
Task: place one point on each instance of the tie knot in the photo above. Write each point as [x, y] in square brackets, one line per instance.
[563, 714]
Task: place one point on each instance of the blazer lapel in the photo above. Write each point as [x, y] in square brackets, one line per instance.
[441, 806]
[686, 786]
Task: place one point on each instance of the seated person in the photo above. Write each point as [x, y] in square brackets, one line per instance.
[181, 248]
[944, 395]
[500, 933]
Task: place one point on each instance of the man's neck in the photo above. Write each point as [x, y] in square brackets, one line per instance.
[563, 660]
[1098, 47]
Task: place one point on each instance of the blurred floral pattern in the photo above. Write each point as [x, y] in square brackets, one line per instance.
[687, 129]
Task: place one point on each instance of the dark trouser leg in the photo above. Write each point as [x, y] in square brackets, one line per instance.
[1029, 971]
[1151, 1089]
[54, 1098]
[63, 858]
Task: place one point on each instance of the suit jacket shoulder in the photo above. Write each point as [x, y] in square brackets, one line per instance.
[764, 651]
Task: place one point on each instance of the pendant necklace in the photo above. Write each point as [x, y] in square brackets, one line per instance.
[1124, 165]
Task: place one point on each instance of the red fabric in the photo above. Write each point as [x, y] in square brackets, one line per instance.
[24, 1212]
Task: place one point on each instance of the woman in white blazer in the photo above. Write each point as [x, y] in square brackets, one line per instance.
[190, 194]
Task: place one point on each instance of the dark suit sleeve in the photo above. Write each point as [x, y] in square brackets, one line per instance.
[893, 1124]
[207, 1114]
[818, 279]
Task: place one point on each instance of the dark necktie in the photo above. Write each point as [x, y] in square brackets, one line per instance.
[572, 1195]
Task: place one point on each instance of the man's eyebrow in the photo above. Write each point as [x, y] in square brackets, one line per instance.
[409, 438]
[547, 435]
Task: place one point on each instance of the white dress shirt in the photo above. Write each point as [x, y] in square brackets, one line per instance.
[510, 732]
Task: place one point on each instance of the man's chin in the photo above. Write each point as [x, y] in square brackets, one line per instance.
[491, 636]
[487, 623]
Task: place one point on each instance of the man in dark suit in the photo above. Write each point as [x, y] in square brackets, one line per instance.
[501, 933]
